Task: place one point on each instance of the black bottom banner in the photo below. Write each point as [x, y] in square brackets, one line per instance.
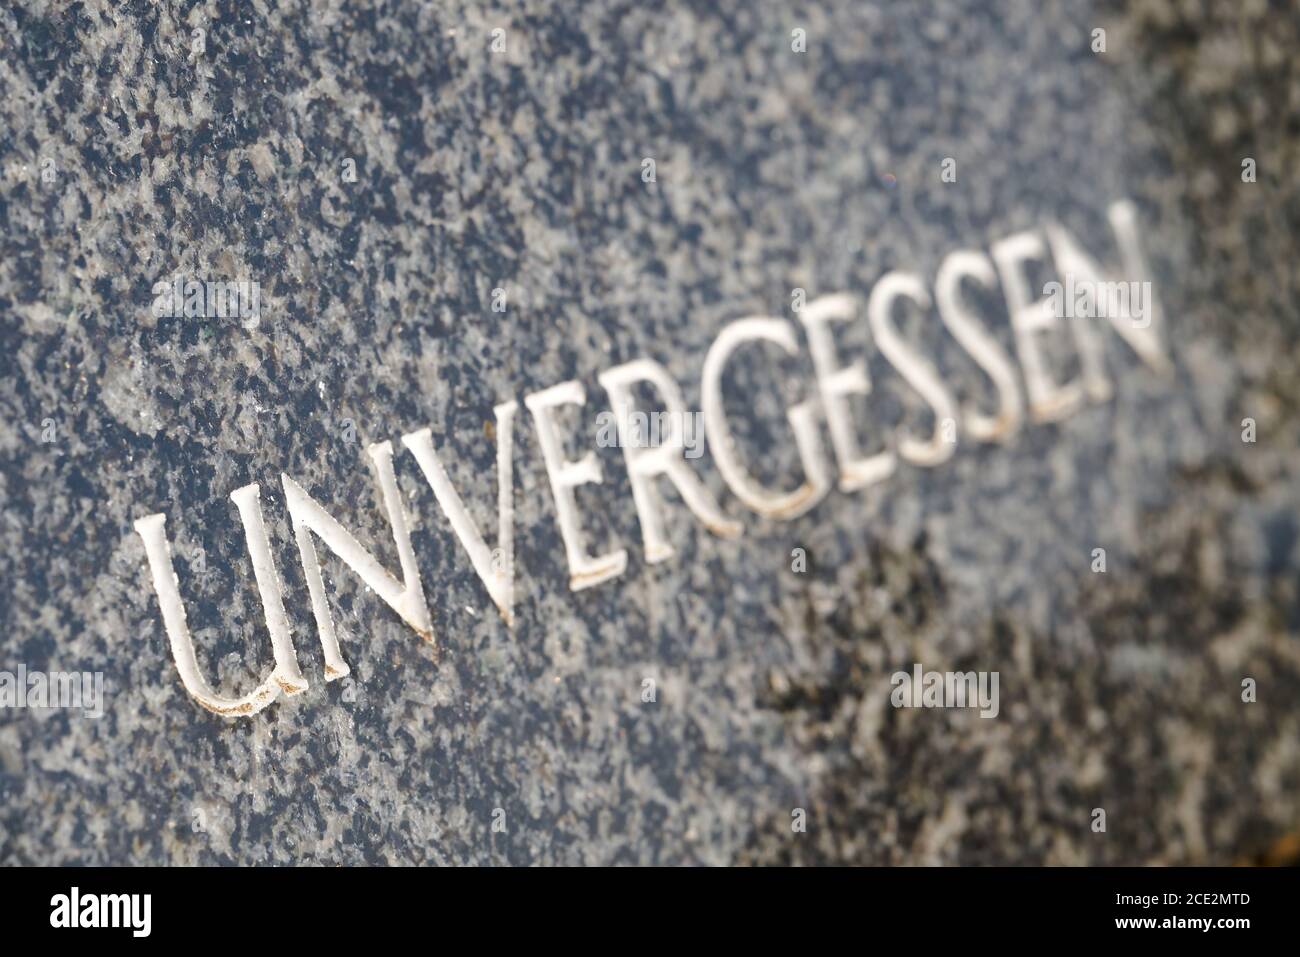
[335, 906]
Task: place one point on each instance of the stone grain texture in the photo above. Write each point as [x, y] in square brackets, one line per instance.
[522, 170]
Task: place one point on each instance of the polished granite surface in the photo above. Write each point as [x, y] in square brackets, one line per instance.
[137, 150]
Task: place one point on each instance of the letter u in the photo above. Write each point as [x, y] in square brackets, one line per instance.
[285, 677]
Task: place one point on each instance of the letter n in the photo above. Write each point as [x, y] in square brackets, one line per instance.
[405, 597]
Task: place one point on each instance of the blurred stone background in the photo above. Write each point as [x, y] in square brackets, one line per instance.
[522, 170]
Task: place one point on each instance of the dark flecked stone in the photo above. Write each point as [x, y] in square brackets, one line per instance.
[523, 170]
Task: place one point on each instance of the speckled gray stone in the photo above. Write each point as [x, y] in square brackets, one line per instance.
[522, 170]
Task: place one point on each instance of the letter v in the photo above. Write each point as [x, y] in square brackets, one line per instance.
[286, 677]
[405, 597]
[498, 576]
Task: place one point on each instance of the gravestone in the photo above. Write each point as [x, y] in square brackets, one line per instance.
[559, 434]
